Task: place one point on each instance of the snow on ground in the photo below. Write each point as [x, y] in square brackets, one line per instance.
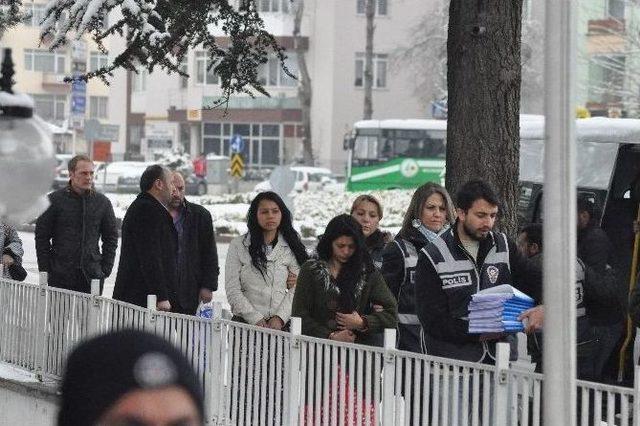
[312, 211]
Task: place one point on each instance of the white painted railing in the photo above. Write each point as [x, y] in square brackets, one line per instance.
[257, 376]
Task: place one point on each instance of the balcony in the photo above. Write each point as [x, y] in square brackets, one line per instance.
[605, 26]
[55, 82]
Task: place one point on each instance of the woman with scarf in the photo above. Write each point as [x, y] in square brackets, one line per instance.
[430, 213]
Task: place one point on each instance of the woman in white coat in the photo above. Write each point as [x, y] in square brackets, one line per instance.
[262, 265]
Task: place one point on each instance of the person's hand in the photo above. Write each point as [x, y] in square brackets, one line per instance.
[343, 336]
[262, 323]
[352, 321]
[163, 305]
[205, 295]
[377, 308]
[7, 260]
[291, 280]
[491, 336]
[275, 322]
[533, 319]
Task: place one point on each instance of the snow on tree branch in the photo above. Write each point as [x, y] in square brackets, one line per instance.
[159, 33]
[10, 14]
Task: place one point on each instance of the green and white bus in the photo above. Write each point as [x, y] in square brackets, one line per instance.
[393, 154]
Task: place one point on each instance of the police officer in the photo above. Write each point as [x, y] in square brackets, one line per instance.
[590, 287]
[430, 213]
[467, 258]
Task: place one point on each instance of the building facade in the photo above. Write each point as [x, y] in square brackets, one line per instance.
[169, 111]
[40, 73]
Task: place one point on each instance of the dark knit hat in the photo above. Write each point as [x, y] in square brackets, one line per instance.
[102, 370]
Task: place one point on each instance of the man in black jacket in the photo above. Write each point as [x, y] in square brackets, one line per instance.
[68, 232]
[149, 244]
[596, 251]
[467, 258]
[197, 254]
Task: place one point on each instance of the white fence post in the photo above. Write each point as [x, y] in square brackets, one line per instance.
[41, 327]
[501, 385]
[215, 373]
[294, 373]
[94, 309]
[150, 316]
[636, 396]
[389, 376]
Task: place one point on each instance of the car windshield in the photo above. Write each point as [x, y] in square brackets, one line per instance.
[594, 162]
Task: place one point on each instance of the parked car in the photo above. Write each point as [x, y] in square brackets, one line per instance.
[307, 178]
[61, 178]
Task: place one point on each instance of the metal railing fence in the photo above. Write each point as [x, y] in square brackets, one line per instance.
[257, 376]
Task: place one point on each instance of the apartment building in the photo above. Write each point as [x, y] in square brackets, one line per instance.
[40, 73]
[167, 111]
[608, 45]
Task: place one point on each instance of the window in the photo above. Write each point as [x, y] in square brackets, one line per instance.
[274, 6]
[606, 78]
[261, 141]
[379, 70]
[139, 80]
[97, 60]
[51, 107]
[205, 73]
[35, 14]
[272, 74]
[615, 9]
[44, 61]
[98, 107]
[380, 6]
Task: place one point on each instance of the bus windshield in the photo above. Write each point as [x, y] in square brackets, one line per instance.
[374, 146]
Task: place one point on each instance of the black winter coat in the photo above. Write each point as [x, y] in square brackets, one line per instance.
[67, 236]
[200, 269]
[149, 253]
[596, 251]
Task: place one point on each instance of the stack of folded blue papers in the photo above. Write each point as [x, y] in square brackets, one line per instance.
[496, 310]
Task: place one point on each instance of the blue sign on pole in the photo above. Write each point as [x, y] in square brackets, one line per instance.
[237, 144]
[78, 104]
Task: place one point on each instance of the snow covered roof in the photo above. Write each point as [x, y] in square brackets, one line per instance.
[596, 129]
[404, 124]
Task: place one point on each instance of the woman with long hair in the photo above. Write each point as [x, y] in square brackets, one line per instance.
[262, 265]
[367, 210]
[430, 213]
[335, 291]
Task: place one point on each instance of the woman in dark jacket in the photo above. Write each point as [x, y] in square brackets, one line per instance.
[430, 213]
[334, 292]
[367, 210]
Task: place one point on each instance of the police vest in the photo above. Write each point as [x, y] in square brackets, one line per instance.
[406, 295]
[459, 274]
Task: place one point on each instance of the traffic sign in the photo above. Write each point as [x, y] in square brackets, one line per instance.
[237, 144]
[237, 166]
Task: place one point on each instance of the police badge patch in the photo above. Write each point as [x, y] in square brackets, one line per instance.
[493, 272]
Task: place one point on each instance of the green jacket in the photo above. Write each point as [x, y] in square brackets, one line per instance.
[316, 302]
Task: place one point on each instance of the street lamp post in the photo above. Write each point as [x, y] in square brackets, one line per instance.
[27, 162]
[559, 216]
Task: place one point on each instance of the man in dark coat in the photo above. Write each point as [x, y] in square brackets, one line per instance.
[149, 244]
[68, 232]
[197, 254]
